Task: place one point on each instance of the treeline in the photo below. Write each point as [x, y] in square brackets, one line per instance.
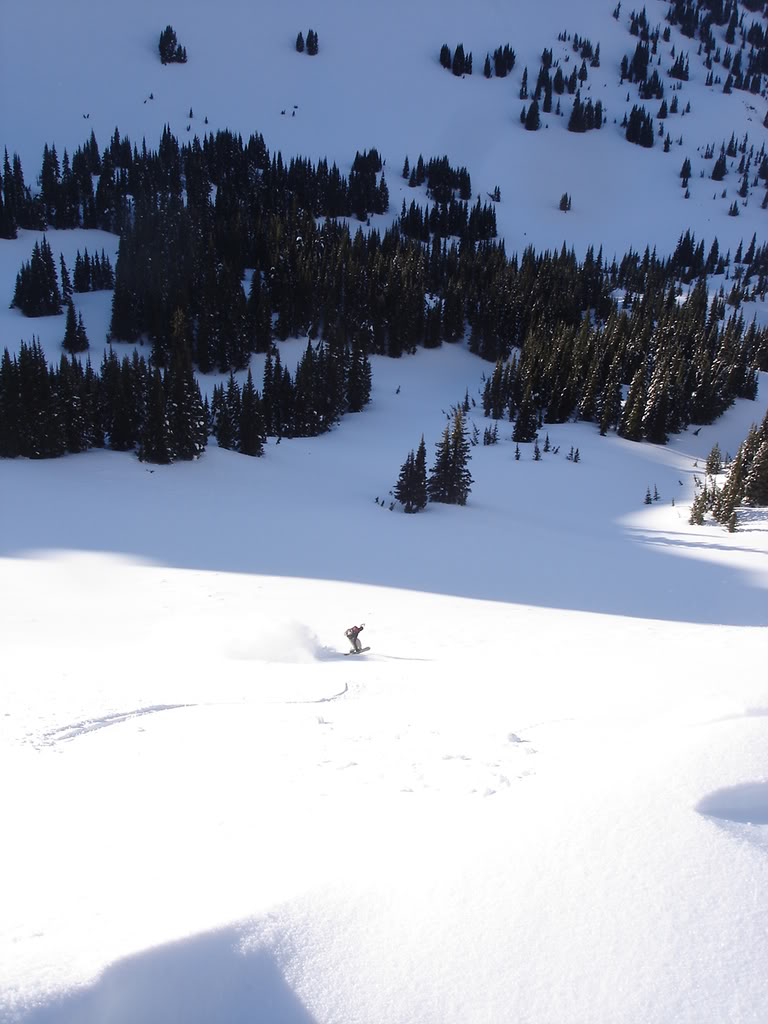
[208, 217]
[92, 273]
[193, 174]
[443, 220]
[38, 290]
[746, 272]
[745, 484]
[127, 405]
[684, 363]
[133, 404]
[749, 59]
[329, 381]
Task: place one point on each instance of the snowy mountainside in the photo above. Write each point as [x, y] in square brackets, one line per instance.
[377, 83]
[543, 794]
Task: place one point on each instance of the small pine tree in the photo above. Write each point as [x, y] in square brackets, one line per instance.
[458, 67]
[756, 483]
[411, 487]
[155, 437]
[66, 283]
[300, 43]
[419, 492]
[70, 329]
[252, 430]
[402, 489]
[450, 480]
[648, 499]
[80, 335]
[697, 510]
[714, 461]
[533, 118]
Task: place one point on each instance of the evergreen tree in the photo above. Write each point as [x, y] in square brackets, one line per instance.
[183, 401]
[66, 284]
[358, 381]
[526, 422]
[458, 66]
[532, 118]
[411, 487]
[402, 489]
[81, 338]
[450, 480]
[252, 429]
[228, 416]
[756, 483]
[576, 121]
[631, 422]
[300, 43]
[419, 492]
[609, 405]
[714, 461]
[37, 287]
[70, 329]
[719, 170]
[171, 51]
[155, 439]
[655, 411]
[313, 44]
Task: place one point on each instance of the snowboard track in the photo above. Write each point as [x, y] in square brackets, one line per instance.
[66, 733]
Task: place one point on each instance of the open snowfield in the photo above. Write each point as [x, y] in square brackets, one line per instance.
[542, 796]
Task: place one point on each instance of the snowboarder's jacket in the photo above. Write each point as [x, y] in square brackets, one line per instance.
[353, 632]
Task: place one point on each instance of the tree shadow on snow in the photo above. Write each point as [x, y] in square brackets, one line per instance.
[206, 979]
[591, 562]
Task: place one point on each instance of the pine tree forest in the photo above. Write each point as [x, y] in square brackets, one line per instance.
[225, 250]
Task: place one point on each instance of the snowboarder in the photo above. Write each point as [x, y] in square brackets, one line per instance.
[352, 634]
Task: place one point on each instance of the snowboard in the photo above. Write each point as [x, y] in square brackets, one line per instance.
[362, 651]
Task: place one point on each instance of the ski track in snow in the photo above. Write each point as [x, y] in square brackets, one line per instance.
[65, 733]
[70, 732]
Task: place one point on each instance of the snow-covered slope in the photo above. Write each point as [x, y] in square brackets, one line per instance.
[543, 794]
[376, 82]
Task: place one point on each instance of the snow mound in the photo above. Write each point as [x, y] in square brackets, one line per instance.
[204, 977]
[746, 804]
